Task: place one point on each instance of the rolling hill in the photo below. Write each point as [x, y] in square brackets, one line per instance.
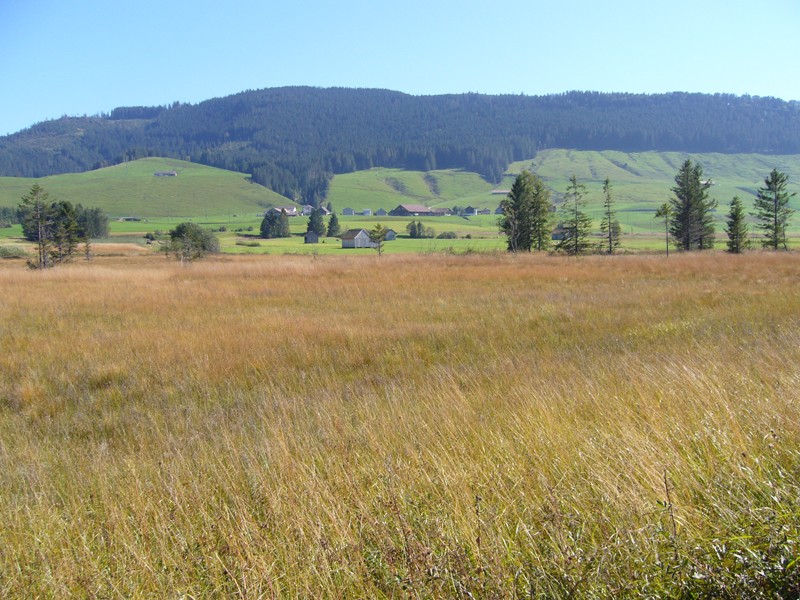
[131, 189]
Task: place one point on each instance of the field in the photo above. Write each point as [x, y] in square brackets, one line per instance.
[405, 426]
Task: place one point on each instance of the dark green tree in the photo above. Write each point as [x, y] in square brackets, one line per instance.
[576, 223]
[692, 223]
[189, 241]
[736, 227]
[65, 232]
[334, 229]
[540, 215]
[413, 231]
[516, 220]
[275, 224]
[665, 212]
[609, 226]
[772, 210]
[316, 223]
[92, 222]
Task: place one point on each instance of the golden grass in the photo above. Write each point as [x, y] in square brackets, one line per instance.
[478, 425]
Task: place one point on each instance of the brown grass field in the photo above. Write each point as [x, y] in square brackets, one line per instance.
[482, 426]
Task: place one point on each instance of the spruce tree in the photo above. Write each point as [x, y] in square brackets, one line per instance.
[334, 229]
[772, 210]
[269, 225]
[736, 227]
[540, 219]
[576, 223]
[37, 223]
[692, 224]
[315, 222]
[283, 225]
[609, 226]
[525, 215]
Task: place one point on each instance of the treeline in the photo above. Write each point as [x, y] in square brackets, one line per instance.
[293, 140]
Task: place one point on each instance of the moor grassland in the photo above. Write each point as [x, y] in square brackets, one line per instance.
[409, 426]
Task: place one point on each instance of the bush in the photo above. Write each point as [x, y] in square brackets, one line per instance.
[447, 235]
[12, 252]
[189, 241]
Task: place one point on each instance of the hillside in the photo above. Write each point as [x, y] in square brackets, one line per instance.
[293, 140]
[132, 190]
[641, 181]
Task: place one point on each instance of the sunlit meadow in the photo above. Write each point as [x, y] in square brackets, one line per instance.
[423, 426]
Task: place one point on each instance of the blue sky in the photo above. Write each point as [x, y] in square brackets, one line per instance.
[87, 56]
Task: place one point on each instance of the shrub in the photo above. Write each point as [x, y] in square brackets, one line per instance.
[12, 252]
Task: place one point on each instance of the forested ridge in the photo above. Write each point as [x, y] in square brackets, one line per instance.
[293, 139]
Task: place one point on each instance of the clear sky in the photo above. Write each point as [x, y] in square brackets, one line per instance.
[86, 56]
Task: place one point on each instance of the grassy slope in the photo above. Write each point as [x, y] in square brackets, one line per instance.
[212, 197]
[130, 189]
[642, 181]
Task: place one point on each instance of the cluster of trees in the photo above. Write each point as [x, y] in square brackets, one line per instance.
[688, 217]
[417, 230]
[293, 140]
[275, 224]
[57, 227]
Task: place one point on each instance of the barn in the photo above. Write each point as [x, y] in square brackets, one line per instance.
[356, 238]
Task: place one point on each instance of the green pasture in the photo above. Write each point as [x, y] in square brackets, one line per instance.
[386, 188]
[132, 190]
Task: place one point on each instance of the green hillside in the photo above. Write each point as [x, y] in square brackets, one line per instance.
[132, 190]
[641, 181]
[386, 188]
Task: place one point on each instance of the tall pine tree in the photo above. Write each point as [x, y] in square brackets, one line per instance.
[576, 223]
[692, 219]
[736, 227]
[609, 226]
[772, 210]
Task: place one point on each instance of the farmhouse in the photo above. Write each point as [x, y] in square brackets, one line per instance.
[348, 212]
[417, 210]
[356, 238]
[380, 213]
[291, 211]
[367, 212]
[391, 235]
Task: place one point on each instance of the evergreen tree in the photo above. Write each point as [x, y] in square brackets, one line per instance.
[540, 219]
[283, 225]
[37, 222]
[315, 222]
[737, 228]
[692, 223]
[334, 229]
[412, 230]
[517, 217]
[65, 231]
[576, 223]
[772, 210]
[609, 226]
[269, 224]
